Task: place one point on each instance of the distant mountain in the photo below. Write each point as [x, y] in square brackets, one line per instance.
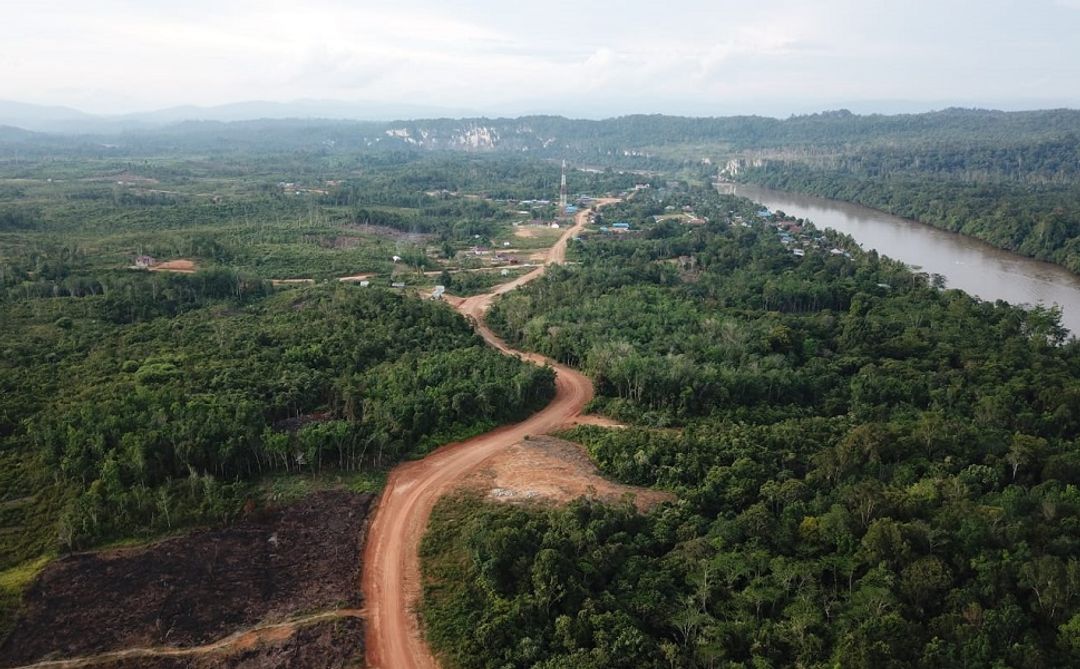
[40, 117]
[12, 134]
[298, 109]
[43, 118]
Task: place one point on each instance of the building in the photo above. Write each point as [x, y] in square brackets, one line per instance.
[145, 261]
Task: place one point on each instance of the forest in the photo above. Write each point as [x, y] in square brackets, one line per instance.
[871, 471]
[125, 417]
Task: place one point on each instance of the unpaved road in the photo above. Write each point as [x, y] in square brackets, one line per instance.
[391, 571]
[238, 641]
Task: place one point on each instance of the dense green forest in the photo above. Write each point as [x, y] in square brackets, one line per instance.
[870, 471]
[165, 402]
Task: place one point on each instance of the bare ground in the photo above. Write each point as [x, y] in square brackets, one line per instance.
[182, 266]
[547, 469]
[198, 589]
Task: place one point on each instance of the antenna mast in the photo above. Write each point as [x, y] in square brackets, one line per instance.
[562, 191]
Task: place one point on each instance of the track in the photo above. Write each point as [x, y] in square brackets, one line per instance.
[238, 641]
[391, 571]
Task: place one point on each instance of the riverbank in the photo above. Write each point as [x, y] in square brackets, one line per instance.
[968, 264]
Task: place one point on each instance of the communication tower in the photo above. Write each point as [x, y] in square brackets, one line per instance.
[562, 191]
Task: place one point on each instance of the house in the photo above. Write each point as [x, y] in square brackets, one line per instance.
[555, 226]
[799, 253]
[365, 283]
[398, 284]
[145, 261]
[438, 292]
[397, 258]
[622, 225]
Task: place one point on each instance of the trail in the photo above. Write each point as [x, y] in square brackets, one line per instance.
[241, 640]
[391, 566]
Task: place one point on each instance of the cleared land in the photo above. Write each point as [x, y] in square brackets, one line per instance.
[181, 266]
[546, 469]
[238, 589]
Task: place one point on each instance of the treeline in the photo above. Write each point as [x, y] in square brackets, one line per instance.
[126, 427]
[624, 140]
[871, 472]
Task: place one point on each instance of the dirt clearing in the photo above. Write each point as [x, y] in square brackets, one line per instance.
[182, 266]
[195, 590]
[553, 470]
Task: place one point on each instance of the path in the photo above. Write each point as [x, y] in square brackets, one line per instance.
[241, 640]
[391, 578]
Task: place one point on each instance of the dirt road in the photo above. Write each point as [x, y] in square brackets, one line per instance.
[239, 641]
[391, 576]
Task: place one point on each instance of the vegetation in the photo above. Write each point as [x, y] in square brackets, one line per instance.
[120, 416]
[871, 471]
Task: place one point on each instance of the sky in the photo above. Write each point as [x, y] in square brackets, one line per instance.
[581, 58]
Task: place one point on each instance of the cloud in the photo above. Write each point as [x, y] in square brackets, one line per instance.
[115, 54]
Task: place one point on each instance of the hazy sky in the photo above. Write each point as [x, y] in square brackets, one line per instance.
[577, 58]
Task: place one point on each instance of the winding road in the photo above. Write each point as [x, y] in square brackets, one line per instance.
[391, 571]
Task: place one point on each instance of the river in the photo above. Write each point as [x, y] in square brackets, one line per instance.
[966, 263]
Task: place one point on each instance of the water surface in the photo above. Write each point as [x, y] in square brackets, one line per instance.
[966, 263]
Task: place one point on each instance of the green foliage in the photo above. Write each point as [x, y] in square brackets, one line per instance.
[866, 477]
[144, 426]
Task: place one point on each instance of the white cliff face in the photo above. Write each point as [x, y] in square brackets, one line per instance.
[471, 137]
[477, 137]
[402, 134]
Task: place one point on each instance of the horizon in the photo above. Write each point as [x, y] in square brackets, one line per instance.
[274, 110]
[775, 59]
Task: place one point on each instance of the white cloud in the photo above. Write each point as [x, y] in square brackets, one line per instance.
[113, 55]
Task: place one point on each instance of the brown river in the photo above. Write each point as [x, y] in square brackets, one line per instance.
[966, 263]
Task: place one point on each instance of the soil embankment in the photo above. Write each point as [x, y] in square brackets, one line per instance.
[219, 592]
[554, 471]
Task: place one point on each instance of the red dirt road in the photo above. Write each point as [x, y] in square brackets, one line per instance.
[391, 571]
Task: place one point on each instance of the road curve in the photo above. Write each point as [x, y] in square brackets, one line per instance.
[391, 570]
